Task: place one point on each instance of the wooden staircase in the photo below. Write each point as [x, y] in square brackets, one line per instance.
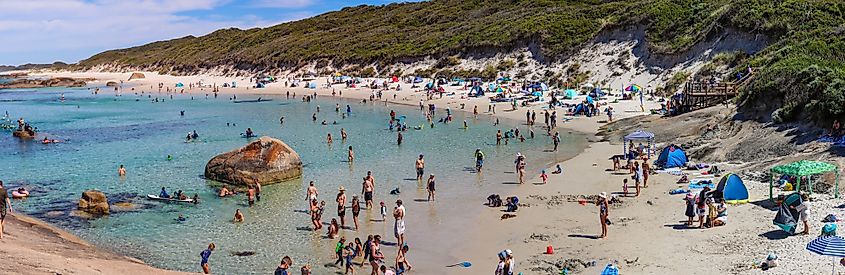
[701, 94]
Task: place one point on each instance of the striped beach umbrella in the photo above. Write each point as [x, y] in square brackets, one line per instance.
[833, 246]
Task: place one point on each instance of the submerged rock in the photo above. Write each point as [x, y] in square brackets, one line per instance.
[41, 83]
[94, 202]
[265, 161]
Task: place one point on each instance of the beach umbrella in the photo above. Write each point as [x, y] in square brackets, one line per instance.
[833, 246]
[633, 88]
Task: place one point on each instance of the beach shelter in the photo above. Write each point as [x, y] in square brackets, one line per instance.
[418, 79]
[671, 156]
[638, 135]
[178, 85]
[569, 94]
[733, 189]
[137, 76]
[544, 87]
[832, 246]
[394, 79]
[804, 168]
[312, 85]
[787, 217]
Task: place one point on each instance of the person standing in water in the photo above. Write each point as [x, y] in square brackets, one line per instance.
[311, 192]
[479, 160]
[356, 209]
[205, 254]
[341, 205]
[350, 154]
[368, 188]
[121, 171]
[430, 187]
[399, 138]
[399, 223]
[343, 135]
[329, 138]
[420, 166]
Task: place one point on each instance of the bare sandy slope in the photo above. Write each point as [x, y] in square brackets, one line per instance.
[32, 247]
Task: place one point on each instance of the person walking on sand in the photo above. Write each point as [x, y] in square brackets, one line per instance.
[5, 205]
[601, 202]
[399, 224]
[556, 140]
[121, 171]
[341, 205]
[638, 176]
[420, 166]
[646, 169]
[205, 254]
[430, 187]
[520, 168]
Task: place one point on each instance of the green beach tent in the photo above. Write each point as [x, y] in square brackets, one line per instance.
[804, 168]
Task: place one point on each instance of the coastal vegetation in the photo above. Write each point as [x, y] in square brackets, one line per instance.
[801, 73]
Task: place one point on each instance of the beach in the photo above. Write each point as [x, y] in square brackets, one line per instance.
[646, 236]
[33, 247]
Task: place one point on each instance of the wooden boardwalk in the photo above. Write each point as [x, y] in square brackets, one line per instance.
[702, 94]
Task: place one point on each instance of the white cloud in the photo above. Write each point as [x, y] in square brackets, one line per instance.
[283, 3]
[46, 30]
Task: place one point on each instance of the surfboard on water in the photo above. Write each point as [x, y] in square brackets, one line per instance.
[157, 198]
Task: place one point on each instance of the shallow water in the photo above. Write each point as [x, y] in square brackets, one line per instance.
[105, 130]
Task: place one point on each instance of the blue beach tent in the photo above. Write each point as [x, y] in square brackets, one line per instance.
[569, 94]
[671, 156]
[733, 189]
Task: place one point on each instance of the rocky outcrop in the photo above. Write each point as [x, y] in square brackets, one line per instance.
[265, 161]
[24, 134]
[42, 83]
[94, 202]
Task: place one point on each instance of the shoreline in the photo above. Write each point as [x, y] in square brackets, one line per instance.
[406, 97]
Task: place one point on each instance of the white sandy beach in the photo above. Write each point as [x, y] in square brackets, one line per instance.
[647, 235]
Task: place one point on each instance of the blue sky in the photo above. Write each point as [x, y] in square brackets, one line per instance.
[44, 31]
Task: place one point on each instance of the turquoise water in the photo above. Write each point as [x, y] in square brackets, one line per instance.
[104, 131]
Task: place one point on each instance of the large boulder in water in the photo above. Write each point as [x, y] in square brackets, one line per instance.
[265, 161]
[94, 202]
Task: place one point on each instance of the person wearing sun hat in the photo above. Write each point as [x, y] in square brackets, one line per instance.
[602, 203]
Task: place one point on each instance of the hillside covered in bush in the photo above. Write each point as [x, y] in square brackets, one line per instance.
[801, 74]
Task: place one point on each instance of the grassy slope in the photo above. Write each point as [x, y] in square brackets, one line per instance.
[802, 73]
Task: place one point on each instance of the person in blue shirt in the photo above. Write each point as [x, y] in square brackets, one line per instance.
[164, 194]
[205, 254]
